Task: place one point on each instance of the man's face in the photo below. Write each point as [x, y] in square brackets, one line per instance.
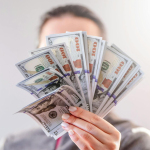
[52, 88]
[68, 23]
[40, 107]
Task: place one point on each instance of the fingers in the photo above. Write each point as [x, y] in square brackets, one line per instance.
[88, 127]
[93, 119]
[87, 139]
[78, 141]
[90, 130]
[81, 137]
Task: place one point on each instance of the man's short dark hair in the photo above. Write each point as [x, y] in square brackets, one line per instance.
[76, 10]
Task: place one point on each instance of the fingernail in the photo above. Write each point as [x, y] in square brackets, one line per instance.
[71, 132]
[71, 108]
[64, 124]
[65, 116]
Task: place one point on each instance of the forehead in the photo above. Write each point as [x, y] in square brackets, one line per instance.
[68, 23]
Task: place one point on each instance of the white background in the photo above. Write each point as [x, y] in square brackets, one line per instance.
[128, 26]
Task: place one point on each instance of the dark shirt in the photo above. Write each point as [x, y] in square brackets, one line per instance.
[132, 138]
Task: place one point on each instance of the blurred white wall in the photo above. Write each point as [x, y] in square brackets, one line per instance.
[128, 26]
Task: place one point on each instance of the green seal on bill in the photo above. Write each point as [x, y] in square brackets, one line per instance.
[38, 80]
[105, 65]
[39, 68]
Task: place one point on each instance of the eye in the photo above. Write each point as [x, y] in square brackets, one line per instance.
[38, 108]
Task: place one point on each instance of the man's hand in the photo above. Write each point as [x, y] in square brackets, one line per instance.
[90, 132]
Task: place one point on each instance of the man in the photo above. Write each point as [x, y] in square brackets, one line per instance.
[47, 105]
[86, 130]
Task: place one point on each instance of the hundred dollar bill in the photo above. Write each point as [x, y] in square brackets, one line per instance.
[64, 58]
[43, 82]
[39, 62]
[124, 91]
[126, 78]
[74, 42]
[129, 74]
[98, 66]
[94, 45]
[74, 97]
[85, 42]
[114, 67]
[47, 112]
[62, 92]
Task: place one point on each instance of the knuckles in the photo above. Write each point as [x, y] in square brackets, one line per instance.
[115, 141]
[85, 136]
[79, 112]
[117, 135]
[89, 127]
[72, 119]
[113, 146]
[94, 118]
[75, 139]
[85, 147]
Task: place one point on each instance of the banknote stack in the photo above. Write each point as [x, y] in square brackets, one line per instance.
[75, 69]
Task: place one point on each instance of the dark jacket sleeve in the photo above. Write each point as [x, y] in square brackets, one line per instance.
[34, 139]
[132, 136]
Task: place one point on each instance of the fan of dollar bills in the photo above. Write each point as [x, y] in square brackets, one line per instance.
[75, 69]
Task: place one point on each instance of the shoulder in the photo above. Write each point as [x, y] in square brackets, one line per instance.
[31, 139]
[133, 137]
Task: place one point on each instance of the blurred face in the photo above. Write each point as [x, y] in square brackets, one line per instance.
[68, 23]
[40, 106]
